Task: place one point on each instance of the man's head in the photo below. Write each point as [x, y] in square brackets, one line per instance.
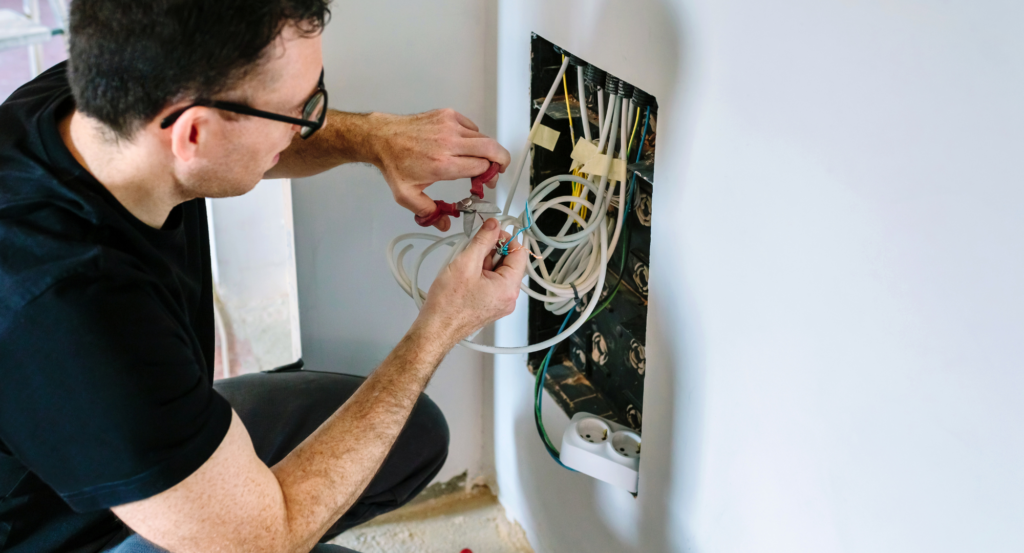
[133, 63]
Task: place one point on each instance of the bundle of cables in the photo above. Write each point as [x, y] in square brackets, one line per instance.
[581, 267]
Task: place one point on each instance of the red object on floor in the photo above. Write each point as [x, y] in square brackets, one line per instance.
[465, 551]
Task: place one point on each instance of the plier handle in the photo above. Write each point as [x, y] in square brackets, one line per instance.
[471, 206]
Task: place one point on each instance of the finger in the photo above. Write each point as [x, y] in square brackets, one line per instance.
[416, 200]
[443, 224]
[482, 243]
[513, 266]
[493, 182]
[466, 133]
[491, 260]
[496, 260]
[487, 148]
[460, 167]
[466, 122]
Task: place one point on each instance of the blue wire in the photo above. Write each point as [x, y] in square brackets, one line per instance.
[538, 405]
[529, 223]
[643, 135]
[639, 150]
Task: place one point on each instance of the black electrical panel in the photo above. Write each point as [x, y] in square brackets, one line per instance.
[599, 369]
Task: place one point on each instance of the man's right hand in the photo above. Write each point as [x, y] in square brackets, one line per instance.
[234, 502]
[470, 293]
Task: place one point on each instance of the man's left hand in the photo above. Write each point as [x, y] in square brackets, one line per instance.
[415, 151]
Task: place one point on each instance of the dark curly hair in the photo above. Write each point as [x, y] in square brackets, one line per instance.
[131, 58]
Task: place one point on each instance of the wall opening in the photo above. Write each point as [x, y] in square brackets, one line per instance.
[599, 369]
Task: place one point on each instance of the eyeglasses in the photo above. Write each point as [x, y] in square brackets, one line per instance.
[313, 113]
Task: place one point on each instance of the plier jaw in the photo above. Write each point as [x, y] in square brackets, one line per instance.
[471, 206]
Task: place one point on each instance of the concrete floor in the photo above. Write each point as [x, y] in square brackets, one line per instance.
[451, 523]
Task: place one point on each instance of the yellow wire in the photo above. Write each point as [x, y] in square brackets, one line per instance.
[577, 189]
[630, 148]
[568, 112]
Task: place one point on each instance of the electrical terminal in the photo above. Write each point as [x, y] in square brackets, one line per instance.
[625, 89]
[643, 99]
[611, 84]
[594, 76]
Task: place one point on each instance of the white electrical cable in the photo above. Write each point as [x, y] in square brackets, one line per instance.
[529, 137]
[585, 115]
[581, 268]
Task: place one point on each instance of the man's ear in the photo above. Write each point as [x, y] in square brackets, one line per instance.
[193, 125]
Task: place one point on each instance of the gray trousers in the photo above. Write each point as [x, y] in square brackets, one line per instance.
[281, 408]
[137, 544]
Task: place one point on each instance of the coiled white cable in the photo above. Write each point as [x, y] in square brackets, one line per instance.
[582, 265]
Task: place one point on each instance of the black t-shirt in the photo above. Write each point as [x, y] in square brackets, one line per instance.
[106, 340]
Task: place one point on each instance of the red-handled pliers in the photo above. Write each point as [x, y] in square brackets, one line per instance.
[471, 206]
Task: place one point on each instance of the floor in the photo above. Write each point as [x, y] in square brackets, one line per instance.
[452, 523]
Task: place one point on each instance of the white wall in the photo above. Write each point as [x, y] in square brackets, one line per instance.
[254, 277]
[837, 310]
[399, 56]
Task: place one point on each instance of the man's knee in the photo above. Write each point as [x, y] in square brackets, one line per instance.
[328, 548]
[428, 427]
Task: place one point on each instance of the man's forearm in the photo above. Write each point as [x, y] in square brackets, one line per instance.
[344, 138]
[323, 476]
[233, 502]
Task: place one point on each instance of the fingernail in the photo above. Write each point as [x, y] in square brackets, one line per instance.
[490, 224]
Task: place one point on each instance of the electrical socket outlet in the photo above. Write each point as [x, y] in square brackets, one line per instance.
[602, 449]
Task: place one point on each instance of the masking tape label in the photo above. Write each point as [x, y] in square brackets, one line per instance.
[597, 164]
[545, 137]
[618, 170]
[583, 151]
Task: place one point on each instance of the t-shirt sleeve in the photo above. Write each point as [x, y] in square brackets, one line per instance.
[102, 395]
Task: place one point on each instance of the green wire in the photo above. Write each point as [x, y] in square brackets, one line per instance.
[538, 382]
[622, 267]
[538, 385]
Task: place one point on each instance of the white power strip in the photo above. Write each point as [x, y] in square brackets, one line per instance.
[602, 449]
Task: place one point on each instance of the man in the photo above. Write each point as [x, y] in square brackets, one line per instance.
[112, 435]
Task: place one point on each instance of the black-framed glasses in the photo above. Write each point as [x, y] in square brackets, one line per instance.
[314, 113]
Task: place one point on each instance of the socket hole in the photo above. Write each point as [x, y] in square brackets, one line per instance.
[626, 443]
[593, 430]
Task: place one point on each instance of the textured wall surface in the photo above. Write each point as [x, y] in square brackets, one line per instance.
[401, 57]
[834, 344]
[255, 278]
